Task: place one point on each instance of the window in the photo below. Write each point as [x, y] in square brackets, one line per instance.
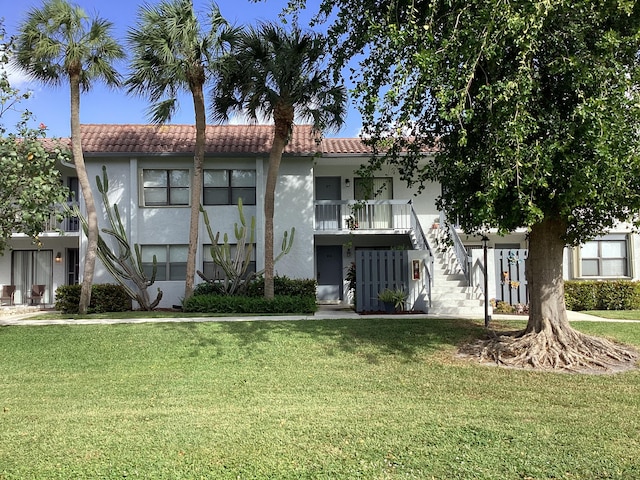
[605, 257]
[380, 188]
[171, 261]
[225, 187]
[214, 272]
[165, 187]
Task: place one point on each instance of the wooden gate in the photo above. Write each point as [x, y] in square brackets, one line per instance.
[511, 281]
[377, 270]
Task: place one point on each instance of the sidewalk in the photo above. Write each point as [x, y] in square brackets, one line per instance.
[324, 312]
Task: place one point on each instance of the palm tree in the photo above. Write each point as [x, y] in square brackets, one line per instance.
[171, 54]
[276, 74]
[60, 42]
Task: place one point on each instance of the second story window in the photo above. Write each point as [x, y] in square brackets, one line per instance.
[165, 187]
[224, 187]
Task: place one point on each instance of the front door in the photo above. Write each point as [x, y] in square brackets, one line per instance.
[329, 272]
[328, 216]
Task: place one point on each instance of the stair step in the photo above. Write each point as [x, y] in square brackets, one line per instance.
[450, 293]
[457, 311]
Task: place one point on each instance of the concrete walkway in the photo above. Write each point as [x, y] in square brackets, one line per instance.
[325, 312]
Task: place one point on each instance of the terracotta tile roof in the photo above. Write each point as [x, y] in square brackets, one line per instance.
[224, 139]
[354, 146]
[344, 146]
[109, 139]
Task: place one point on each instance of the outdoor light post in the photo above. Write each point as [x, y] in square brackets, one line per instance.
[487, 317]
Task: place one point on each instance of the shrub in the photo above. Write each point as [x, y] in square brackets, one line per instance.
[107, 297]
[242, 304]
[580, 295]
[281, 285]
[502, 307]
[602, 295]
[208, 288]
[104, 298]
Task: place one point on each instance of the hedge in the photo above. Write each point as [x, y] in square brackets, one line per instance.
[105, 297]
[602, 295]
[242, 304]
[282, 285]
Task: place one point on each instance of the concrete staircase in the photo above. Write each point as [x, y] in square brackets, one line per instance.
[450, 294]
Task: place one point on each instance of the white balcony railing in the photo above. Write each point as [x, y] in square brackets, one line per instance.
[350, 215]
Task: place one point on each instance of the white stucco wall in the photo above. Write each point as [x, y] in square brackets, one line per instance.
[294, 208]
[170, 225]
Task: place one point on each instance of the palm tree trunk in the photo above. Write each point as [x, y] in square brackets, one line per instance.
[275, 157]
[87, 193]
[196, 186]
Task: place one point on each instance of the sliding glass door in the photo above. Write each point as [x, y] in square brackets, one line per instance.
[32, 267]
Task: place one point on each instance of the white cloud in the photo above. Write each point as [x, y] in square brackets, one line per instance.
[244, 119]
[18, 78]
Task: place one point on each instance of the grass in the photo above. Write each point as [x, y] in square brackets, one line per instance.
[363, 398]
[616, 314]
[141, 314]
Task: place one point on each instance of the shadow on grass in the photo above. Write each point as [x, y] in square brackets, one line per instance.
[406, 338]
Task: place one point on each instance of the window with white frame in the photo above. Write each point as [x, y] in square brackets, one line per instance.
[214, 272]
[163, 187]
[605, 256]
[225, 187]
[171, 261]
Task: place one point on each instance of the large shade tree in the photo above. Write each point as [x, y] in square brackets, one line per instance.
[277, 74]
[58, 42]
[535, 107]
[173, 51]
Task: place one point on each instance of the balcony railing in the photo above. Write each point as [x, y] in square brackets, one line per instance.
[68, 224]
[350, 215]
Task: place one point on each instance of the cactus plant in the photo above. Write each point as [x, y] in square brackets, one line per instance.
[235, 264]
[125, 265]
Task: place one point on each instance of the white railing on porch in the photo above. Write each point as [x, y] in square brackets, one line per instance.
[345, 215]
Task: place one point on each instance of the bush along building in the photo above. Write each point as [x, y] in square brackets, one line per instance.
[357, 237]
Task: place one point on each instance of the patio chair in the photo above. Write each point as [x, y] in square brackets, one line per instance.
[37, 292]
[8, 292]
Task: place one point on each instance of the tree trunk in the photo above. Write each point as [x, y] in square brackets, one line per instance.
[87, 193]
[548, 341]
[196, 186]
[544, 276]
[281, 134]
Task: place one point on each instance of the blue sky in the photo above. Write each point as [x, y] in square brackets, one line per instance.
[50, 105]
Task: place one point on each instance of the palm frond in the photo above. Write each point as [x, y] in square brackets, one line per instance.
[271, 70]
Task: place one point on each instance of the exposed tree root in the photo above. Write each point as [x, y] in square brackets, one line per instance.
[564, 350]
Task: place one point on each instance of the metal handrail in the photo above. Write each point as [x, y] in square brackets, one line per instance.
[460, 251]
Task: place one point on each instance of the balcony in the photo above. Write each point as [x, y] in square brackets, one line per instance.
[373, 216]
[67, 225]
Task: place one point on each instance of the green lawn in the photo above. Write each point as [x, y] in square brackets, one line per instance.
[363, 398]
[616, 314]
